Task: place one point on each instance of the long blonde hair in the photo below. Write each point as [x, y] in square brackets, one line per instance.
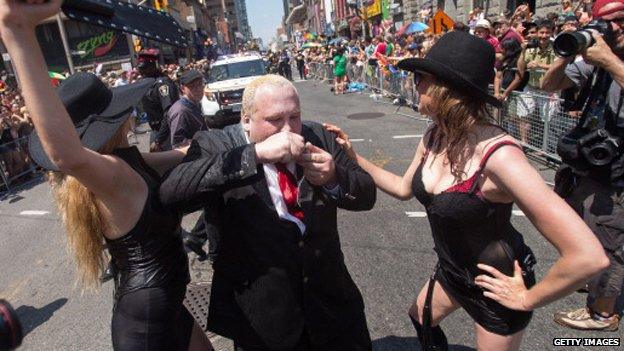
[81, 217]
[456, 116]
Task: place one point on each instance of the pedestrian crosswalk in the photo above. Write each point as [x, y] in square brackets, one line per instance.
[423, 214]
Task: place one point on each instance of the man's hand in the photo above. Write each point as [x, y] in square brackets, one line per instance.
[318, 166]
[282, 147]
[599, 54]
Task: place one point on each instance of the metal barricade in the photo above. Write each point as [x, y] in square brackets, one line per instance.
[14, 162]
[534, 118]
[537, 121]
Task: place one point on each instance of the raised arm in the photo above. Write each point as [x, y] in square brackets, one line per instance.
[60, 141]
[555, 78]
[582, 255]
[394, 185]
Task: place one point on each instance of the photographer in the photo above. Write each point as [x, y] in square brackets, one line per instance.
[592, 183]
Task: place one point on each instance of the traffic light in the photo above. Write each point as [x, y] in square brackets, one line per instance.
[161, 5]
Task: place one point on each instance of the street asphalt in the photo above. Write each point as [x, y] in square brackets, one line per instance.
[389, 250]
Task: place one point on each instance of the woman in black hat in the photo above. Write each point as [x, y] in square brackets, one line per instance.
[105, 190]
[468, 172]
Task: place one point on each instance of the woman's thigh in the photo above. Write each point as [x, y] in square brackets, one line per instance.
[441, 304]
[488, 341]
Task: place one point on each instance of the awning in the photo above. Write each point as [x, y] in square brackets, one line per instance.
[298, 14]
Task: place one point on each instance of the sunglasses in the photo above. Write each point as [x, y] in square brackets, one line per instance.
[419, 77]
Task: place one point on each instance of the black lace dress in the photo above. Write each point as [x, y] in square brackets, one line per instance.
[468, 229]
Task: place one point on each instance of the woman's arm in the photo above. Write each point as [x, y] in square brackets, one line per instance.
[399, 187]
[164, 161]
[497, 83]
[582, 256]
[18, 20]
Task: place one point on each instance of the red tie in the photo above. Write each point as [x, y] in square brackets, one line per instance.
[290, 192]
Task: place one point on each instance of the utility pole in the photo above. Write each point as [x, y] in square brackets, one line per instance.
[68, 56]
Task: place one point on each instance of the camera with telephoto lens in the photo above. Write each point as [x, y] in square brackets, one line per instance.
[10, 327]
[573, 43]
[599, 147]
[533, 43]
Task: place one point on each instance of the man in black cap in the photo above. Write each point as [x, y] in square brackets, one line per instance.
[185, 117]
[160, 97]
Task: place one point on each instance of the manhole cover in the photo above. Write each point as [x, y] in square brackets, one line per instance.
[197, 301]
[366, 115]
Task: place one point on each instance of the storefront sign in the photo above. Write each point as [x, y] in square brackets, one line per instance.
[98, 45]
[373, 10]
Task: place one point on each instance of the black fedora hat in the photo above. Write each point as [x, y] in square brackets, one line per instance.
[460, 60]
[96, 110]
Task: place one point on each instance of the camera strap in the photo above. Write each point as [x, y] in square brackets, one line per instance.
[595, 87]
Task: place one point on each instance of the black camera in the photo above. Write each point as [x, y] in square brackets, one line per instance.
[533, 43]
[599, 147]
[571, 44]
[10, 327]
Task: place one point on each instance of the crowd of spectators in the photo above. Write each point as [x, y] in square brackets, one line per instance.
[521, 40]
[15, 125]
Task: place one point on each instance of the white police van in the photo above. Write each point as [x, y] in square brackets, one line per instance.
[229, 75]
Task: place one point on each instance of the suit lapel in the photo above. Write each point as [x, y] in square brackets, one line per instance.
[238, 138]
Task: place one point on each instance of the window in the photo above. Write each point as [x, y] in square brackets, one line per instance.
[236, 70]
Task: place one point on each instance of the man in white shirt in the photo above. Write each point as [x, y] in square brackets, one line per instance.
[273, 185]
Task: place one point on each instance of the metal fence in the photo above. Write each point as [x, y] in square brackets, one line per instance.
[533, 117]
[15, 163]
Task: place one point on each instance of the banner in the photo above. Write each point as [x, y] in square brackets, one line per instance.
[385, 9]
[373, 10]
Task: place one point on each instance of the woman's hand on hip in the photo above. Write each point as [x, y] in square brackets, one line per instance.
[508, 291]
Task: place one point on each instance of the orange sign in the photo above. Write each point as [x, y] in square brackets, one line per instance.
[441, 23]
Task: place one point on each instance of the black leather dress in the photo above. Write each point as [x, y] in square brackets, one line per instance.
[152, 274]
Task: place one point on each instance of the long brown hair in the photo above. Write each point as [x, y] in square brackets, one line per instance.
[456, 116]
[81, 217]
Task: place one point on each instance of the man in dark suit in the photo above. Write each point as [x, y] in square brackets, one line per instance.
[274, 185]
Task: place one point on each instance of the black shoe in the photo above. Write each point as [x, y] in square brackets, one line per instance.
[109, 273]
[196, 245]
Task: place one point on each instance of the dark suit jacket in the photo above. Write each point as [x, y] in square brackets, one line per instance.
[270, 280]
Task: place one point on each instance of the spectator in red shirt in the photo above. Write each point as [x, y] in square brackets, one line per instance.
[504, 31]
[483, 30]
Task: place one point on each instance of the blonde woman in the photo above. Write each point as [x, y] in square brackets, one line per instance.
[468, 173]
[105, 190]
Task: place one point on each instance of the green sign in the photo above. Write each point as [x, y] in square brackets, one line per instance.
[385, 9]
[98, 45]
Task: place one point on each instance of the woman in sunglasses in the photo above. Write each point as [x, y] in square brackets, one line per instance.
[468, 173]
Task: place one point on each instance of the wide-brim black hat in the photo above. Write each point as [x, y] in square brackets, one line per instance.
[96, 110]
[461, 61]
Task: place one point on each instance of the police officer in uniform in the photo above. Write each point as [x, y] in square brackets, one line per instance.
[159, 98]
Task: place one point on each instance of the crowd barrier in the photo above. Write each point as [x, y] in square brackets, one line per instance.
[535, 118]
[16, 152]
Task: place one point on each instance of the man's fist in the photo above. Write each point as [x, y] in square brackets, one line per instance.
[318, 166]
[282, 147]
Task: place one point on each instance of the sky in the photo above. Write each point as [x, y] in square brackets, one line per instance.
[265, 16]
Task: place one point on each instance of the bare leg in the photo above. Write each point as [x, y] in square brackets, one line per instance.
[441, 305]
[488, 341]
[199, 340]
